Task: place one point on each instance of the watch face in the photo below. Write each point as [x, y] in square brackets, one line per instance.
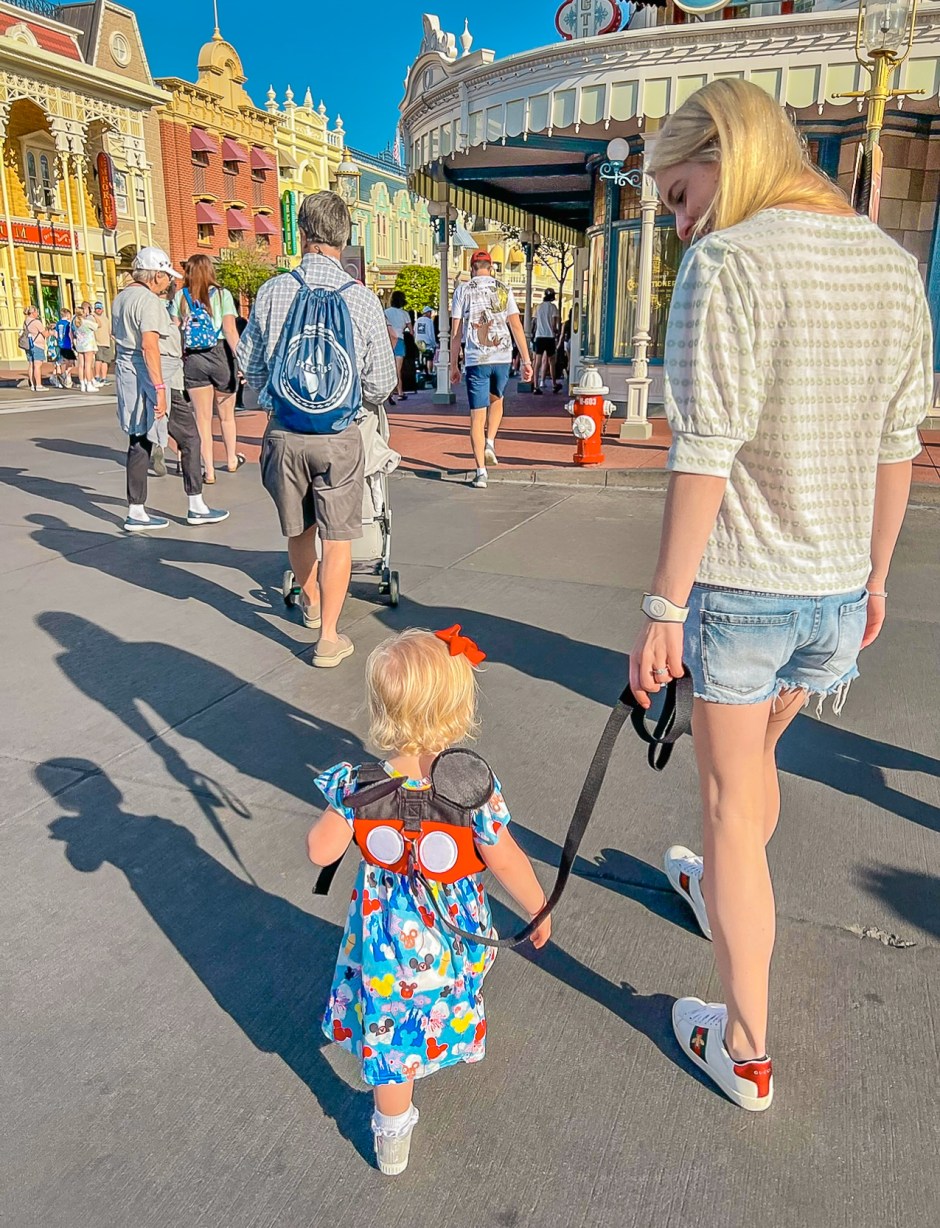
[657, 607]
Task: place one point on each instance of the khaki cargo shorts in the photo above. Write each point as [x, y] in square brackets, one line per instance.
[315, 480]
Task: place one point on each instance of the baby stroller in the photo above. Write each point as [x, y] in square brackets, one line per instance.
[371, 553]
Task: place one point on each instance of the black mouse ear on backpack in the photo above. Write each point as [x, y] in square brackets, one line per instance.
[462, 778]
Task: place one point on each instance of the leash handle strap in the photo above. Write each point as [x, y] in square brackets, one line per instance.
[674, 721]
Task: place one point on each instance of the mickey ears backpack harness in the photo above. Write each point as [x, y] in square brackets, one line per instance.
[427, 834]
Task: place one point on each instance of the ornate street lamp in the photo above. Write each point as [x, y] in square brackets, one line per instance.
[883, 41]
[636, 425]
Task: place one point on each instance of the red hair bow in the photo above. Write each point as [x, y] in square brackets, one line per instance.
[461, 644]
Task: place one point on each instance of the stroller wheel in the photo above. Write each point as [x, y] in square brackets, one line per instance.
[394, 588]
[289, 589]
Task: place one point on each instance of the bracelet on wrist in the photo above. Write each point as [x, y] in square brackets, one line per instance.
[874, 593]
[661, 610]
[160, 387]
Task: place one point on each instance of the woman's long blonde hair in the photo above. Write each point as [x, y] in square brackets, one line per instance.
[763, 161]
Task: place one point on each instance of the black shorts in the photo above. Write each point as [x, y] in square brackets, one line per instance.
[545, 345]
[68, 354]
[213, 368]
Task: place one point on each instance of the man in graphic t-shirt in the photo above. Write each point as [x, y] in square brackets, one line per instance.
[485, 314]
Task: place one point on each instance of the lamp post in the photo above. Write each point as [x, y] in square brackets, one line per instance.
[636, 425]
[441, 214]
[883, 41]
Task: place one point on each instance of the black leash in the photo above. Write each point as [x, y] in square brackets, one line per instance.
[674, 721]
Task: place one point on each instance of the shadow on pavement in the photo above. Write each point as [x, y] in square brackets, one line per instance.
[266, 962]
[913, 896]
[70, 494]
[161, 565]
[850, 763]
[79, 447]
[271, 741]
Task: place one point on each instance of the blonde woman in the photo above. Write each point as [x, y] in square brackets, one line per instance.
[794, 403]
[84, 337]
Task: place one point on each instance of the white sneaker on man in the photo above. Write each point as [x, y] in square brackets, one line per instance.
[684, 871]
[489, 454]
[479, 480]
[700, 1030]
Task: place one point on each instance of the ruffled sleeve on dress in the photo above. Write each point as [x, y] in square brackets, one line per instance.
[334, 784]
[490, 819]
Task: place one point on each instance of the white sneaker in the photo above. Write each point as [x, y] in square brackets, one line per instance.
[684, 871]
[392, 1148]
[479, 481]
[489, 454]
[700, 1030]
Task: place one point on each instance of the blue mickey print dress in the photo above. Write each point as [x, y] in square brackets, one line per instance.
[407, 994]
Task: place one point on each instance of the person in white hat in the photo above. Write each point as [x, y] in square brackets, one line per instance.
[426, 337]
[146, 362]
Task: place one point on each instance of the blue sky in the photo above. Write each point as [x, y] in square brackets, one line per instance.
[353, 56]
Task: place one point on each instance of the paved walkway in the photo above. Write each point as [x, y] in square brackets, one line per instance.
[535, 440]
[165, 963]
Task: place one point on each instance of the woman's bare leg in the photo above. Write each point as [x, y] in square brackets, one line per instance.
[730, 749]
[788, 706]
[225, 405]
[202, 399]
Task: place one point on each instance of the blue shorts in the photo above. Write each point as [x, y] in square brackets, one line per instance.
[485, 381]
[744, 647]
[399, 350]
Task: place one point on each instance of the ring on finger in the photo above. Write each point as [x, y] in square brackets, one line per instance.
[660, 673]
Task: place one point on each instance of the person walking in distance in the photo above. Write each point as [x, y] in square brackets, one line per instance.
[547, 328]
[63, 329]
[399, 325]
[794, 407]
[426, 337]
[105, 351]
[206, 314]
[312, 460]
[84, 338]
[492, 322]
[33, 343]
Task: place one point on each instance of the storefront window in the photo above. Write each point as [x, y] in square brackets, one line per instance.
[120, 193]
[600, 201]
[41, 182]
[667, 255]
[594, 321]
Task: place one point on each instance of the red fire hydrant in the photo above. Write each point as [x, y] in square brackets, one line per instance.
[589, 412]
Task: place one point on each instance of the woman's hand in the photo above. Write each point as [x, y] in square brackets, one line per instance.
[877, 608]
[657, 647]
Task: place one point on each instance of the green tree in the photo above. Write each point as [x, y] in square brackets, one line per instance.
[244, 269]
[421, 284]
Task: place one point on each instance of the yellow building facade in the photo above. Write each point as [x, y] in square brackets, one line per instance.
[309, 154]
[70, 93]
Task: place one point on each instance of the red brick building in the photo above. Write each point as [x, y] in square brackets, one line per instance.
[219, 160]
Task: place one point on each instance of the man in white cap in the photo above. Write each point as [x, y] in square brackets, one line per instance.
[426, 337]
[147, 364]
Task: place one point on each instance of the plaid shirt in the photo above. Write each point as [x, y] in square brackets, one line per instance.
[374, 356]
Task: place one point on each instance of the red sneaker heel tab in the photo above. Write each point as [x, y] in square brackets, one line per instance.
[684, 883]
[758, 1073]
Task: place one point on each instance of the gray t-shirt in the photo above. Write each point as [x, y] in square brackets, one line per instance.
[138, 310]
[171, 356]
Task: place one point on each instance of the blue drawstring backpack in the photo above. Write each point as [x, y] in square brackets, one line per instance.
[314, 384]
[199, 330]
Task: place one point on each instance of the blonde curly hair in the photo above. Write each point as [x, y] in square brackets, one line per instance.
[421, 699]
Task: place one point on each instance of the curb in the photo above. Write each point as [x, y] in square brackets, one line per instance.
[923, 494]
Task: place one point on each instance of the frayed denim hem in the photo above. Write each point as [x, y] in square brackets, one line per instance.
[839, 692]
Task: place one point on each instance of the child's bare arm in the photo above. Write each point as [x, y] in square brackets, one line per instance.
[514, 871]
[329, 838]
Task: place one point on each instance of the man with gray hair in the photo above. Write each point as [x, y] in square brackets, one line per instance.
[316, 479]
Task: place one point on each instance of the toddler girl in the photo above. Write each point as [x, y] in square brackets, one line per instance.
[407, 992]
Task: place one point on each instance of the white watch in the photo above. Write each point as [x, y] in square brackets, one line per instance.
[662, 610]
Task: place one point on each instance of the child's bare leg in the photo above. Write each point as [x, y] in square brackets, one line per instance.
[392, 1099]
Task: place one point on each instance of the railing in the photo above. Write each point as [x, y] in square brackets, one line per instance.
[42, 8]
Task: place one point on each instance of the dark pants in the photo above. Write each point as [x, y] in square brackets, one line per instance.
[183, 432]
[138, 462]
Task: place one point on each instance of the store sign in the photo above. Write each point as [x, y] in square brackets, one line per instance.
[34, 234]
[585, 18]
[105, 169]
[289, 222]
[699, 7]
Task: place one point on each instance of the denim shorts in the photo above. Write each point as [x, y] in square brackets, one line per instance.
[399, 350]
[744, 647]
[487, 380]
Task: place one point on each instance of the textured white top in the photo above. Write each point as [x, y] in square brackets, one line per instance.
[798, 358]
